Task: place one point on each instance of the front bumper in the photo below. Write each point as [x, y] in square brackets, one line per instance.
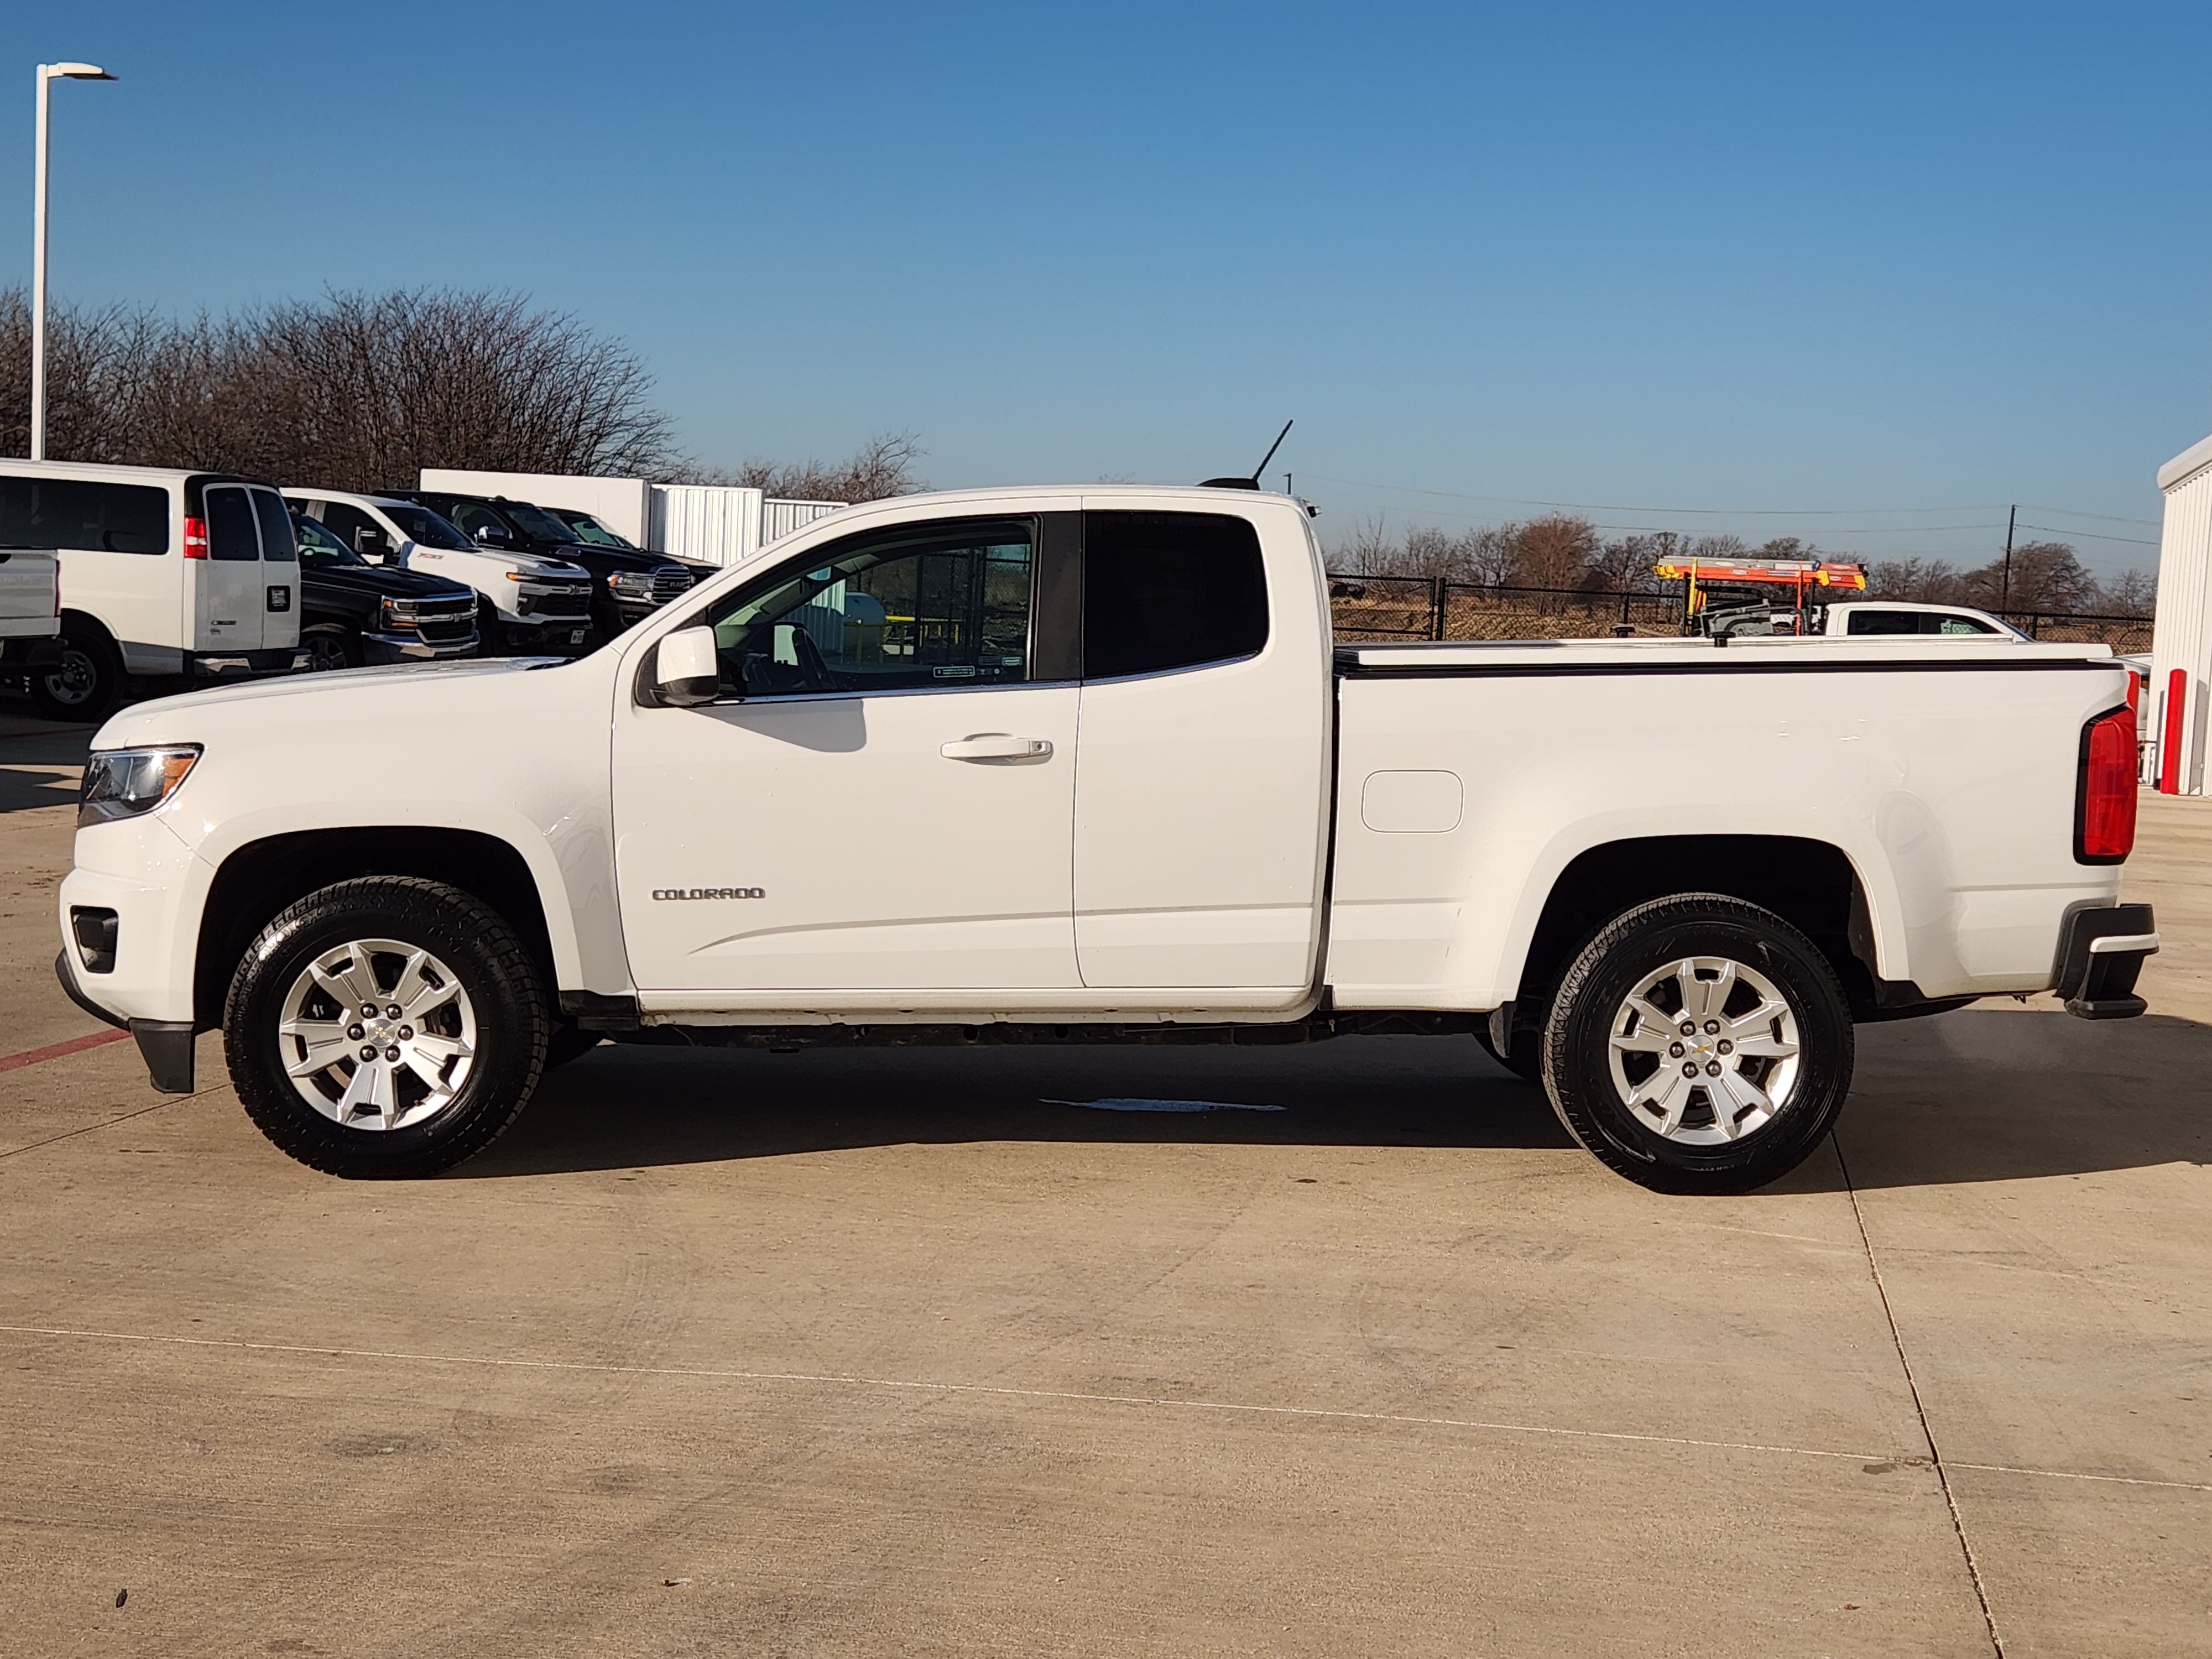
[555, 638]
[409, 647]
[166, 1045]
[2101, 950]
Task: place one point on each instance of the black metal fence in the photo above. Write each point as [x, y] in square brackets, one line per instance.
[1429, 608]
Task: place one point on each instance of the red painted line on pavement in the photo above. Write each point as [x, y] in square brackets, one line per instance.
[56, 1050]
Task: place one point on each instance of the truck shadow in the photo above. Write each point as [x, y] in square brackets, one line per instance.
[1984, 1094]
[41, 767]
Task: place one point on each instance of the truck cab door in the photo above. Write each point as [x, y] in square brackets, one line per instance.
[1202, 772]
[879, 803]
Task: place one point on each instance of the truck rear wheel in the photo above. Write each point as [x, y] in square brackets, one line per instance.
[82, 685]
[330, 646]
[1698, 1044]
[386, 1027]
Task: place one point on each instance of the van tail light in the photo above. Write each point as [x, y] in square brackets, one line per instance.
[2105, 802]
[196, 545]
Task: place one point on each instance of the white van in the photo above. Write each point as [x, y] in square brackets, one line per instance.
[165, 575]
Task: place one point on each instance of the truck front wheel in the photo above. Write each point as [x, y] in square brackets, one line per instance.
[385, 1027]
[1698, 1044]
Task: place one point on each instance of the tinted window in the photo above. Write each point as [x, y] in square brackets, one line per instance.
[230, 524]
[1882, 622]
[1959, 625]
[81, 513]
[472, 516]
[942, 605]
[1170, 590]
[345, 523]
[591, 530]
[276, 525]
[319, 549]
[537, 523]
[421, 525]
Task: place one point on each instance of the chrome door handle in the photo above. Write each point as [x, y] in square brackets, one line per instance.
[995, 745]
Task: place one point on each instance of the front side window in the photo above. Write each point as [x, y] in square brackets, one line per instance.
[231, 536]
[80, 513]
[1959, 625]
[422, 526]
[318, 548]
[537, 523]
[474, 517]
[940, 606]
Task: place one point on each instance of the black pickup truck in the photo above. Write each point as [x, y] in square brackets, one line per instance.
[354, 613]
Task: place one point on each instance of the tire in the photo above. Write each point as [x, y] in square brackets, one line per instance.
[1524, 1057]
[474, 990]
[570, 1042]
[1773, 1033]
[330, 647]
[83, 688]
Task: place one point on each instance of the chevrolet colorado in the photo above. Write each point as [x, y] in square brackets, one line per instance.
[1084, 765]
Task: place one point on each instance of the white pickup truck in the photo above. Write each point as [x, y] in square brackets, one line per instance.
[1075, 765]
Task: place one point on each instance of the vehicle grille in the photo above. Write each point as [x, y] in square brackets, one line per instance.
[668, 583]
[447, 625]
[556, 602]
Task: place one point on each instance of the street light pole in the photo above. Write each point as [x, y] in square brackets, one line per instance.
[48, 73]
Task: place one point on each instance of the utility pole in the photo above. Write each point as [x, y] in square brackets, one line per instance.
[2011, 520]
[48, 74]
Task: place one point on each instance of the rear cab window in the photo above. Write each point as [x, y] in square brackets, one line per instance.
[1169, 590]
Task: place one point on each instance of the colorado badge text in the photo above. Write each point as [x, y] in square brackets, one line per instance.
[709, 892]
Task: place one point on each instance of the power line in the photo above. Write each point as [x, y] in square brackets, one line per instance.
[2086, 535]
[2077, 512]
[1706, 512]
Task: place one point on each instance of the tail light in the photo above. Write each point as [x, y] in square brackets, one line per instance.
[2105, 802]
[196, 543]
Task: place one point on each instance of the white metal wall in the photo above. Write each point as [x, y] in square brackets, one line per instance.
[2182, 636]
[714, 524]
[780, 518]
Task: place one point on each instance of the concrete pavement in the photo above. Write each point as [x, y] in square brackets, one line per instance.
[876, 1352]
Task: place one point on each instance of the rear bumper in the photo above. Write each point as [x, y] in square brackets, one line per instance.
[407, 647]
[2101, 949]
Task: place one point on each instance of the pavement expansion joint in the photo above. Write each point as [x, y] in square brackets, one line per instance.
[1919, 1409]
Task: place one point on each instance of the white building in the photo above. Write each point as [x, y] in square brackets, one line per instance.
[2181, 646]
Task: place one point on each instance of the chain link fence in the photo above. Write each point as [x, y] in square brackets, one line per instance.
[1382, 608]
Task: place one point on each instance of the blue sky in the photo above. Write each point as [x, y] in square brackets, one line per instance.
[1880, 262]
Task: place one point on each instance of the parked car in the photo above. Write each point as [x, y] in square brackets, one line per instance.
[353, 613]
[30, 608]
[628, 585]
[1861, 617]
[177, 578]
[527, 605]
[1079, 765]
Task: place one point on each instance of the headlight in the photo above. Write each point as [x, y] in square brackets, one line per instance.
[399, 616]
[121, 783]
[632, 585]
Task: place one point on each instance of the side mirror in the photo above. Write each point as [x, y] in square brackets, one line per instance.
[370, 542]
[685, 671]
[492, 535]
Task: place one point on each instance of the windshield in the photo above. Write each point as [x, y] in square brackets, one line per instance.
[537, 523]
[423, 527]
[591, 530]
[318, 546]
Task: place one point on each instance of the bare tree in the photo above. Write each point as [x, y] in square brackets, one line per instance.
[2130, 593]
[355, 390]
[883, 467]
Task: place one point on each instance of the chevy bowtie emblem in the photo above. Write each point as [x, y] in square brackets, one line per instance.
[709, 892]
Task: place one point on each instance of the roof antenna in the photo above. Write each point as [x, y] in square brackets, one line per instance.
[1252, 483]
